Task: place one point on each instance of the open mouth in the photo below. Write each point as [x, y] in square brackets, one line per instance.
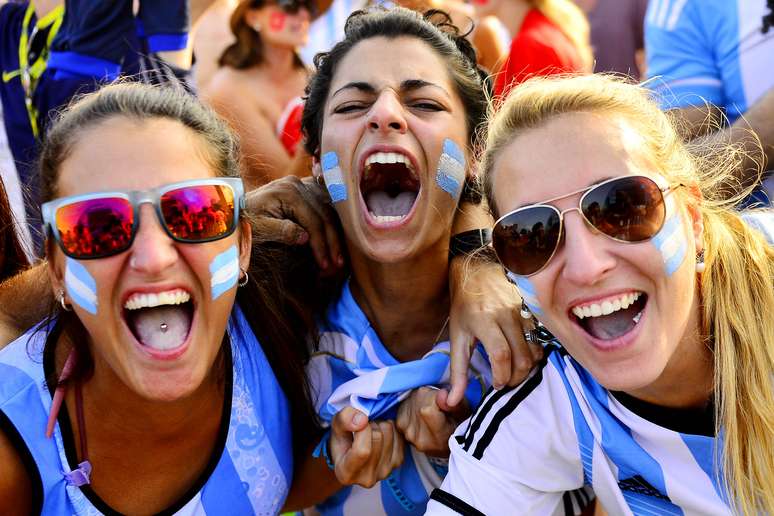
[389, 186]
[613, 317]
[161, 320]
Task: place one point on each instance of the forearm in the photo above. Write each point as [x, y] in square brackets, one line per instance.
[313, 483]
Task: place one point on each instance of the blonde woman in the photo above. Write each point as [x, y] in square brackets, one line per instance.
[660, 396]
[546, 37]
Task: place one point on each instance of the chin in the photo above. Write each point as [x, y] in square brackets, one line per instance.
[167, 387]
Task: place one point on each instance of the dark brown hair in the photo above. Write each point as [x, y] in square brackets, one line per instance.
[435, 28]
[276, 313]
[12, 257]
[247, 50]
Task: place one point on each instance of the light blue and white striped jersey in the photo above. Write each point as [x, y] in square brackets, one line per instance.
[710, 50]
[251, 467]
[560, 430]
[352, 367]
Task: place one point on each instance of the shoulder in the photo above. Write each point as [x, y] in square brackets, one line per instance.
[16, 486]
[229, 86]
[762, 220]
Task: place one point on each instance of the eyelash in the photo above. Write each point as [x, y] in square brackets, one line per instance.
[421, 105]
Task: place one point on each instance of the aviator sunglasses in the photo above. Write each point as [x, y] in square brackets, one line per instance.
[626, 209]
[291, 6]
[98, 225]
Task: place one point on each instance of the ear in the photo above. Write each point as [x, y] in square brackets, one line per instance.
[694, 199]
[56, 269]
[316, 167]
[245, 244]
[253, 19]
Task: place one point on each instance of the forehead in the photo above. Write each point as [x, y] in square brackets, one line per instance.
[387, 62]
[568, 152]
[121, 153]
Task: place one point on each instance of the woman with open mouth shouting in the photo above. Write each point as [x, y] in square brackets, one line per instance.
[151, 387]
[660, 396]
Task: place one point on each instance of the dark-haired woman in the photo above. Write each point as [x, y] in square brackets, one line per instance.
[164, 381]
[259, 84]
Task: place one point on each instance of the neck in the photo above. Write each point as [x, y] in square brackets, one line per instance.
[278, 61]
[688, 379]
[511, 13]
[407, 303]
[43, 7]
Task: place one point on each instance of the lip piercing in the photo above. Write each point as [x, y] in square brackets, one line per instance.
[163, 327]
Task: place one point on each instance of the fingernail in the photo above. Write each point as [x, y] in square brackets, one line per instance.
[340, 260]
[303, 238]
[497, 386]
[358, 419]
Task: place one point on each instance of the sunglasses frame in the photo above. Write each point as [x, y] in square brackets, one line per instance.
[665, 190]
[136, 199]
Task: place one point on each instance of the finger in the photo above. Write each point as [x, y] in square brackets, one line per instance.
[458, 413]
[433, 419]
[328, 213]
[350, 465]
[385, 466]
[398, 449]
[461, 343]
[404, 415]
[522, 359]
[499, 351]
[348, 420]
[537, 352]
[285, 231]
[325, 240]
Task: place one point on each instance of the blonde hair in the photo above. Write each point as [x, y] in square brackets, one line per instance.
[573, 23]
[737, 287]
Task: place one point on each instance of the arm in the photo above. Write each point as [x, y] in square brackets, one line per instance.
[485, 306]
[263, 155]
[15, 484]
[24, 301]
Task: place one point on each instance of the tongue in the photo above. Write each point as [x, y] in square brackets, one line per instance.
[381, 203]
[607, 327]
[163, 327]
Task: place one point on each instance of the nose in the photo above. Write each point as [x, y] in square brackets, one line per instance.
[586, 258]
[386, 114]
[153, 251]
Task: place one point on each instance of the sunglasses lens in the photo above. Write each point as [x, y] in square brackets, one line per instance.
[630, 209]
[96, 227]
[199, 213]
[526, 239]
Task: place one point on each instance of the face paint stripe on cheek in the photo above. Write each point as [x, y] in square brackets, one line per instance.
[225, 271]
[334, 179]
[451, 169]
[277, 21]
[670, 242]
[528, 292]
[81, 286]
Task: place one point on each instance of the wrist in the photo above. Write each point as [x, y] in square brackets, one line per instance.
[323, 450]
[469, 242]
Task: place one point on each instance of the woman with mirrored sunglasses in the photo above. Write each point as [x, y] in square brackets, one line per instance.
[259, 84]
[660, 395]
[169, 375]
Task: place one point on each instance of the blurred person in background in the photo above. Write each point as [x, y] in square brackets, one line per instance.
[617, 35]
[548, 37]
[259, 84]
[711, 62]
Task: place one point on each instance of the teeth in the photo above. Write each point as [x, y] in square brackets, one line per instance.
[386, 218]
[388, 157]
[607, 307]
[170, 297]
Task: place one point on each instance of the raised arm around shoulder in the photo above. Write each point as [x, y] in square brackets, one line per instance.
[15, 484]
[24, 300]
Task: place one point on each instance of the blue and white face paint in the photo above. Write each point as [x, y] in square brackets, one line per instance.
[670, 241]
[528, 292]
[224, 270]
[80, 285]
[334, 179]
[451, 169]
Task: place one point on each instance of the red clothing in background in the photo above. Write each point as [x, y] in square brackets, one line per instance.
[540, 48]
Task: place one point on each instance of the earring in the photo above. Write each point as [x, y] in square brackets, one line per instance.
[61, 298]
[243, 279]
[700, 262]
[320, 180]
[256, 27]
[525, 312]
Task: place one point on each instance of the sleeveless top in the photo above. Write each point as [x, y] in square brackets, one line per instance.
[249, 471]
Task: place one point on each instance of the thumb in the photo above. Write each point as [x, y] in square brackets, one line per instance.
[284, 231]
[457, 412]
[344, 424]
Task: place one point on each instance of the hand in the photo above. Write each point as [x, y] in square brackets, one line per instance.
[427, 421]
[364, 452]
[297, 211]
[485, 306]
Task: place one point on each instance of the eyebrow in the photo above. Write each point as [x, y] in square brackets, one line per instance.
[405, 86]
[590, 185]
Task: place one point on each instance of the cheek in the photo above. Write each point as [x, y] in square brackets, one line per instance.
[277, 21]
[671, 243]
[450, 173]
[334, 179]
[224, 271]
[81, 286]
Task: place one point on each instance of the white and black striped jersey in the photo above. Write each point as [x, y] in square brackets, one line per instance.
[559, 431]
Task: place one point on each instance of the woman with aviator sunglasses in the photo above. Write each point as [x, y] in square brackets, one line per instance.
[259, 84]
[660, 394]
[149, 388]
